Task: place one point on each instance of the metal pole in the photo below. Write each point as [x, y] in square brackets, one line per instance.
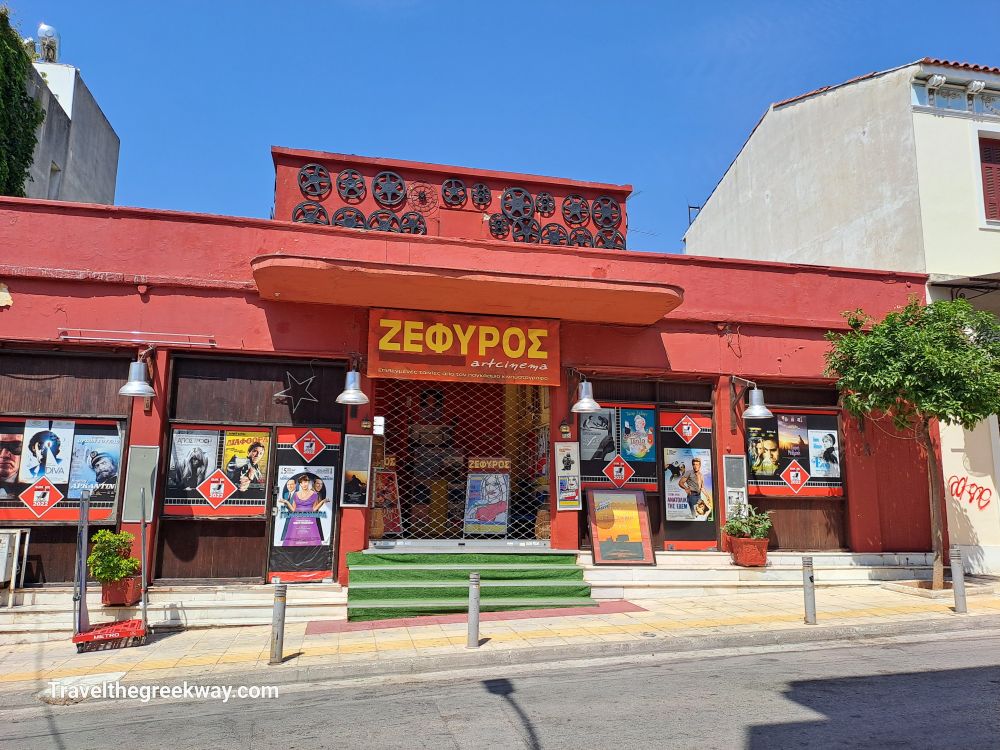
[473, 641]
[958, 580]
[81, 622]
[278, 624]
[142, 540]
[809, 589]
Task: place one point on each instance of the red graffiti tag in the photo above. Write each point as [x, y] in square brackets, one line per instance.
[974, 493]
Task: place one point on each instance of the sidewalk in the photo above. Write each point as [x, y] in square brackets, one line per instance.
[508, 637]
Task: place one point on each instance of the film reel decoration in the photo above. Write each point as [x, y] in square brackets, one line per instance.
[581, 237]
[309, 212]
[575, 210]
[453, 192]
[351, 186]
[516, 203]
[499, 226]
[422, 198]
[348, 217]
[412, 223]
[314, 181]
[526, 229]
[545, 204]
[606, 212]
[609, 239]
[389, 189]
[481, 196]
[383, 220]
[554, 234]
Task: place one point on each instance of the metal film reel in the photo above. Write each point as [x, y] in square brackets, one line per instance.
[351, 186]
[481, 196]
[389, 189]
[526, 229]
[412, 223]
[383, 220]
[453, 192]
[348, 217]
[308, 212]
[581, 237]
[516, 203]
[499, 226]
[422, 198]
[606, 212]
[609, 239]
[554, 234]
[575, 210]
[314, 181]
[545, 204]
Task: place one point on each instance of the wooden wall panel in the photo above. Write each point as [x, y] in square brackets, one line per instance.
[52, 554]
[805, 524]
[54, 385]
[211, 549]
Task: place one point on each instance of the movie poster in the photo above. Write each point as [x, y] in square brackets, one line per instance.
[763, 452]
[244, 459]
[386, 501]
[793, 439]
[597, 440]
[357, 468]
[94, 468]
[619, 527]
[824, 453]
[46, 451]
[637, 435]
[690, 492]
[567, 462]
[487, 500]
[11, 448]
[194, 454]
[305, 506]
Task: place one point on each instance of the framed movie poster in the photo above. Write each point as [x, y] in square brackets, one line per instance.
[357, 469]
[387, 518]
[795, 453]
[304, 509]
[619, 527]
[688, 476]
[487, 497]
[567, 463]
[618, 446]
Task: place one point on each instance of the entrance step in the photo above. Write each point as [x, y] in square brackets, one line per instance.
[47, 613]
[398, 584]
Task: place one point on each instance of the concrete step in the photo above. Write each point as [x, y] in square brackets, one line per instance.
[186, 594]
[599, 575]
[790, 559]
[635, 590]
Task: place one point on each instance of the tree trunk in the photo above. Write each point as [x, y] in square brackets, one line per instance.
[937, 527]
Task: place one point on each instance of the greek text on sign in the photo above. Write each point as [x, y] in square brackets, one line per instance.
[462, 348]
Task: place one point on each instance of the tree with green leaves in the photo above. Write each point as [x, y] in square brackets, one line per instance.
[921, 363]
[20, 115]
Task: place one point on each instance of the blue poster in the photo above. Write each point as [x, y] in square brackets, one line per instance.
[487, 497]
[637, 437]
[94, 465]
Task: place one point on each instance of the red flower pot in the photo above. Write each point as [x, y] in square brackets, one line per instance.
[123, 593]
[750, 553]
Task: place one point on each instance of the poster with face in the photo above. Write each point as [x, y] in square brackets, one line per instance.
[597, 440]
[792, 435]
[688, 483]
[194, 455]
[46, 451]
[637, 435]
[386, 500]
[824, 453]
[763, 452]
[244, 457]
[94, 468]
[619, 527]
[11, 447]
[305, 508]
[487, 497]
[357, 467]
[567, 462]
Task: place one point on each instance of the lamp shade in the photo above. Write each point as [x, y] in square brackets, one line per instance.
[138, 382]
[352, 393]
[757, 410]
[585, 403]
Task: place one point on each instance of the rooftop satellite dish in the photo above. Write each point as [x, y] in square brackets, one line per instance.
[48, 43]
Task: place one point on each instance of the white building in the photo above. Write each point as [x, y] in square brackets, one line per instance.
[898, 169]
[76, 156]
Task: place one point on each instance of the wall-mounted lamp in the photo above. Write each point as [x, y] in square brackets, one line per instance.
[352, 395]
[138, 385]
[756, 409]
[585, 403]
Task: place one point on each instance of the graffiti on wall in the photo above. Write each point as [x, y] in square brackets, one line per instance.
[974, 494]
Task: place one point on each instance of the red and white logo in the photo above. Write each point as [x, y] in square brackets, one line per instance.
[309, 446]
[41, 496]
[795, 476]
[618, 471]
[686, 428]
[217, 488]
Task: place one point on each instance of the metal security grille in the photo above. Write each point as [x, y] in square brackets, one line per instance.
[458, 450]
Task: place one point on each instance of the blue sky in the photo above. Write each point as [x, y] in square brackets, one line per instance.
[660, 95]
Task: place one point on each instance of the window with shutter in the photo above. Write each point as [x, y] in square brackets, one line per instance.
[989, 157]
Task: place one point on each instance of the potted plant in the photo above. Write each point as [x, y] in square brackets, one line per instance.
[746, 531]
[111, 563]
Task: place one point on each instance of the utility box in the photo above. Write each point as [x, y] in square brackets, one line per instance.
[8, 540]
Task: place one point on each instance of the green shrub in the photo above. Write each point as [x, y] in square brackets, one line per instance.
[110, 557]
[747, 521]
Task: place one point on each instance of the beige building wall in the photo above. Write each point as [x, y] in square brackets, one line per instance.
[830, 179]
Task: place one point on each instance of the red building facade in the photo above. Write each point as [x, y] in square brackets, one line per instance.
[472, 319]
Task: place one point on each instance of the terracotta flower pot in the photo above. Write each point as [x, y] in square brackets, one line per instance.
[750, 553]
[123, 593]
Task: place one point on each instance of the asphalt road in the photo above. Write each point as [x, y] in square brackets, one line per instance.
[942, 692]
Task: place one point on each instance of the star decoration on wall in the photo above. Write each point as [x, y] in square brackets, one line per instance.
[297, 391]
